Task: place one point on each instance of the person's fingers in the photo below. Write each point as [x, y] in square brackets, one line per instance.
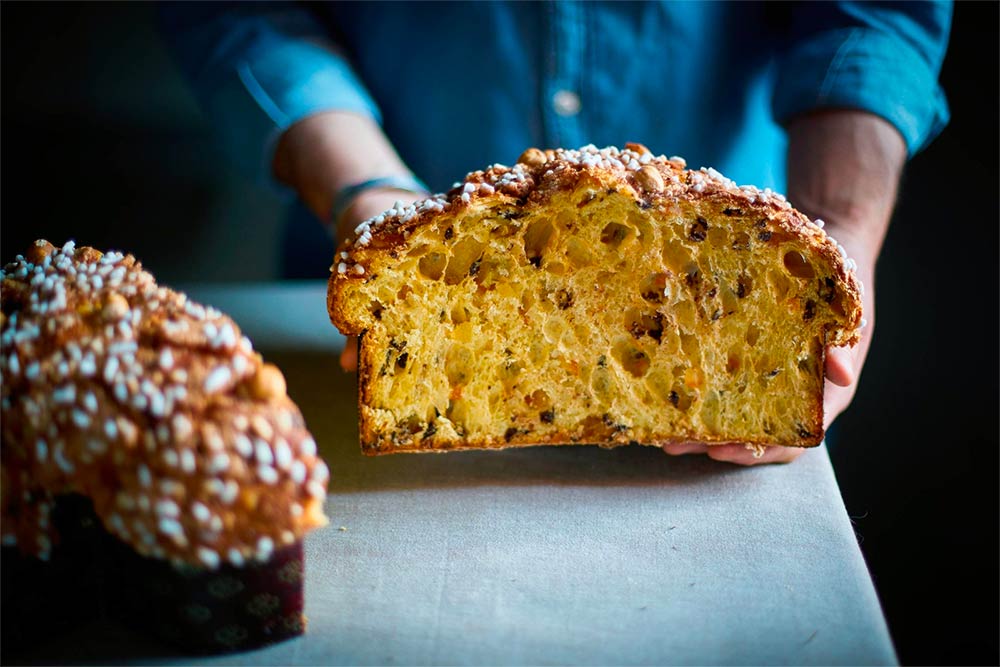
[681, 448]
[835, 400]
[349, 356]
[840, 365]
[843, 369]
[740, 455]
[734, 453]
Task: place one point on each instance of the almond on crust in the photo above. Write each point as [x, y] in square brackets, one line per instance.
[592, 296]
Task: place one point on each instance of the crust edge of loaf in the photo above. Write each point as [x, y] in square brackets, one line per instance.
[395, 226]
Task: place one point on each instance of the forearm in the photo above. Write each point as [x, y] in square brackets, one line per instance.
[844, 167]
[324, 153]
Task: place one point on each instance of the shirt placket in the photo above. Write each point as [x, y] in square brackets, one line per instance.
[562, 99]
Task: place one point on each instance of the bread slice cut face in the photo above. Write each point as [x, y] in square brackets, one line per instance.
[592, 296]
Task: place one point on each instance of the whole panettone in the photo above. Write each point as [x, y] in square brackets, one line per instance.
[148, 452]
[592, 296]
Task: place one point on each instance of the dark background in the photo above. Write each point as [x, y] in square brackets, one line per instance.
[102, 142]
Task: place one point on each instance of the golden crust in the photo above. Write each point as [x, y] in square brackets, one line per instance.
[154, 407]
[654, 184]
[531, 181]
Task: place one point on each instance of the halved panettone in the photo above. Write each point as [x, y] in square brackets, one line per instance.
[592, 296]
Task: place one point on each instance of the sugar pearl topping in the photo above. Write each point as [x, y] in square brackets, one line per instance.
[140, 399]
[653, 178]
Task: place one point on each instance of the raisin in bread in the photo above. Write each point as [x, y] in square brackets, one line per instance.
[592, 296]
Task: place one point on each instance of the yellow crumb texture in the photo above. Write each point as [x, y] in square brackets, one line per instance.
[593, 313]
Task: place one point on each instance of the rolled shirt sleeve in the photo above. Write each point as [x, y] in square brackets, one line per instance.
[884, 58]
[257, 68]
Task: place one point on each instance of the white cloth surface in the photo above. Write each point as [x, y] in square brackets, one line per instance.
[586, 556]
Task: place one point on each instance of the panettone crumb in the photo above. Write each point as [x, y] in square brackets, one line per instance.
[602, 296]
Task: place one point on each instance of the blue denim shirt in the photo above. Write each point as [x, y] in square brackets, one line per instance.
[457, 86]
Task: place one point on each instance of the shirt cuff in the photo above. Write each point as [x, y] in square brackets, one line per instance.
[271, 89]
[863, 68]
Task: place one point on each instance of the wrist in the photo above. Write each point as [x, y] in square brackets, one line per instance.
[346, 196]
[366, 204]
[844, 167]
[321, 155]
[861, 240]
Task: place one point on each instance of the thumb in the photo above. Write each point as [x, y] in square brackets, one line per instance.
[349, 356]
[841, 365]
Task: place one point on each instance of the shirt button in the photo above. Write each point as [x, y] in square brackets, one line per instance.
[566, 103]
